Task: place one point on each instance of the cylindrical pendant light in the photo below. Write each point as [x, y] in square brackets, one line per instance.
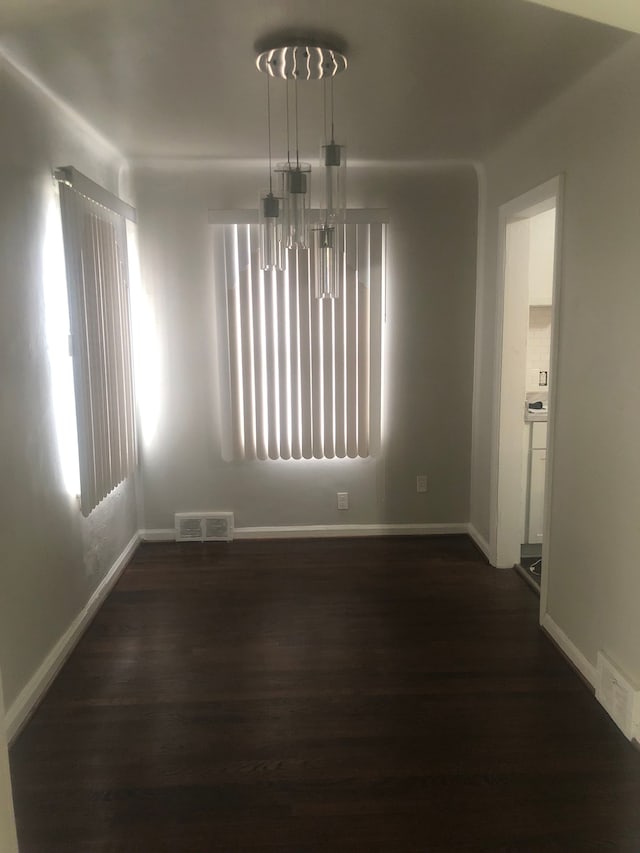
[327, 242]
[270, 215]
[333, 165]
[296, 194]
[270, 227]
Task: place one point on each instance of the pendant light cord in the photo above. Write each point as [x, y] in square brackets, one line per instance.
[269, 133]
[288, 128]
[324, 108]
[297, 146]
[331, 90]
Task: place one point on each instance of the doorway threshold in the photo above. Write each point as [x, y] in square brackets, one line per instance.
[531, 578]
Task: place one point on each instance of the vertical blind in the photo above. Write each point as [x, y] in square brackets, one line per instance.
[96, 262]
[303, 376]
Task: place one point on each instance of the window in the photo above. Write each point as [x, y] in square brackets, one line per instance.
[96, 261]
[301, 377]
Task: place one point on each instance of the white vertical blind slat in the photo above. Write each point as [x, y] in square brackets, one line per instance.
[376, 296]
[293, 291]
[351, 344]
[127, 344]
[260, 368]
[304, 284]
[327, 346]
[115, 392]
[340, 341]
[235, 349]
[221, 334]
[103, 411]
[96, 349]
[284, 364]
[249, 281]
[363, 339]
[273, 369]
[317, 379]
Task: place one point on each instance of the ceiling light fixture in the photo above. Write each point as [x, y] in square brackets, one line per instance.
[300, 62]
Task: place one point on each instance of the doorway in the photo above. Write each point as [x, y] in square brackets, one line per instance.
[528, 261]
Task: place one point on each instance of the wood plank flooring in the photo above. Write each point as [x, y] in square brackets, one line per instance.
[331, 695]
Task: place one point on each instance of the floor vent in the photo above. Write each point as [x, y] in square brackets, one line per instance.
[204, 526]
[617, 696]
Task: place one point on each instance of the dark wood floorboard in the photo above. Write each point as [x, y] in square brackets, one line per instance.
[331, 695]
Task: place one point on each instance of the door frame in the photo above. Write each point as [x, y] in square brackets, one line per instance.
[8, 839]
[506, 469]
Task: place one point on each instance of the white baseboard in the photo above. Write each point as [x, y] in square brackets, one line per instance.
[479, 539]
[586, 669]
[163, 534]
[332, 531]
[32, 693]
[321, 531]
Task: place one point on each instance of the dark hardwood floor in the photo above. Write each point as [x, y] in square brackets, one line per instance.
[331, 695]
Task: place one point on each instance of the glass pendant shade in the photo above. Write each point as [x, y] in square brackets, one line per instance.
[270, 227]
[329, 237]
[333, 163]
[296, 192]
[327, 242]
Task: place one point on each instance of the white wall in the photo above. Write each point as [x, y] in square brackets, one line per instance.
[52, 559]
[538, 347]
[430, 307]
[617, 13]
[592, 135]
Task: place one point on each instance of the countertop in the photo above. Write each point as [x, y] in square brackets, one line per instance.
[535, 415]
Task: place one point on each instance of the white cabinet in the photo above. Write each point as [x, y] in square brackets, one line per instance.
[536, 495]
[541, 290]
[539, 435]
[541, 251]
[535, 462]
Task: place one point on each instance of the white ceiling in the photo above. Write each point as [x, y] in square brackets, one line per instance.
[426, 79]
[617, 13]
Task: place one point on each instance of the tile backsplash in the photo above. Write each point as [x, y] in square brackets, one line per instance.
[538, 345]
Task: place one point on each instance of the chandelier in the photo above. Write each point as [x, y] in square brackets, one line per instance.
[286, 220]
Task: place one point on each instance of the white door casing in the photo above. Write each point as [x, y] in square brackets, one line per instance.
[8, 840]
[509, 381]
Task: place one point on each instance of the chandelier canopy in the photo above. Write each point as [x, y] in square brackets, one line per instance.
[301, 62]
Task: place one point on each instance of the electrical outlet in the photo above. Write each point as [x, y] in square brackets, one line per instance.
[421, 483]
[343, 500]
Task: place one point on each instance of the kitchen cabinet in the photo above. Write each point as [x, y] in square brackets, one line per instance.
[541, 251]
[536, 460]
[541, 291]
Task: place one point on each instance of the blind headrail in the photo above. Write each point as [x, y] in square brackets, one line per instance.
[354, 216]
[71, 177]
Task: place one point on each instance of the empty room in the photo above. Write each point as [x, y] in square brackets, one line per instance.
[320, 503]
